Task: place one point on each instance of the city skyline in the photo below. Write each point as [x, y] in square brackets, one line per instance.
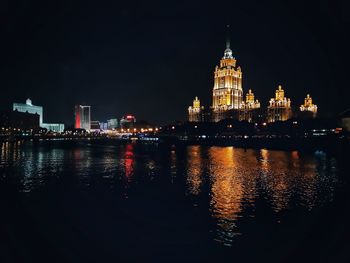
[95, 67]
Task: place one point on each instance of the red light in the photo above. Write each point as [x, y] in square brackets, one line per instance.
[77, 117]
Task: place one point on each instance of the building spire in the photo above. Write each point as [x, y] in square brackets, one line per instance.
[228, 44]
[228, 51]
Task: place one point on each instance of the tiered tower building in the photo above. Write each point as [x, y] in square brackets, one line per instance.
[250, 109]
[308, 108]
[280, 107]
[194, 111]
[227, 90]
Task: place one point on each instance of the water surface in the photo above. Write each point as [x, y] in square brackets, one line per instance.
[89, 201]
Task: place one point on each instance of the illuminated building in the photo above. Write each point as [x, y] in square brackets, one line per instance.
[227, 90]
[83, 117]
[279, 108]
[250, 109]
[55, 127]
[112, 124]
[308, 108]
[345, 120]
[33, 109]
[194, 111]
[127, 121]
[103, 126]
[95, 126]
[30, 108]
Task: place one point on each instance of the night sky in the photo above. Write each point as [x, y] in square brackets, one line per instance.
[151, 58]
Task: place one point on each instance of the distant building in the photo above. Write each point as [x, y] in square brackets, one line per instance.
[127, 121]
[345, 120]
[279, 108]
[83, 117]
[228, 103]
[94, 125]
[103, 126]
[227, 90]
[112, 124]
[55, 127]
[195, 111]
[30, 108]
[250, 109]
[308, 109]
[18, 121]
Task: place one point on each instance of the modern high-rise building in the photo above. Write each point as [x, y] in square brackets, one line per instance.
[82, 117]
[227, 90]
[30, 108]
[279, 108]
[250, 108]
[308, 108]
[33, 109]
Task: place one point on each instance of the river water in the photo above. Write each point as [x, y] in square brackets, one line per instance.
[76, 201]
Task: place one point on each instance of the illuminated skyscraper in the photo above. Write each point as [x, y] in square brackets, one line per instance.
[227, 90]
[280, 107]
[250, 109]
[308, 108]
[194, 111]
[83, 117]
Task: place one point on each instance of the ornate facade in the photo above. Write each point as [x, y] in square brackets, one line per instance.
[195, 111]
[227, 90]
[279, 108]
[228, 99]
[250, 109]
[308, 108]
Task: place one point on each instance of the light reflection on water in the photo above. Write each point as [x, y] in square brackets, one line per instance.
[234, 179]
[238, 177]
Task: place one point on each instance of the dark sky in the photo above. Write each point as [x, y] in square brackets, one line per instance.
[152, 58]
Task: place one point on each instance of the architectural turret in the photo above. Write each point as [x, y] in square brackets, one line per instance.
[279, 108]
[194, 111]
[308, 107]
